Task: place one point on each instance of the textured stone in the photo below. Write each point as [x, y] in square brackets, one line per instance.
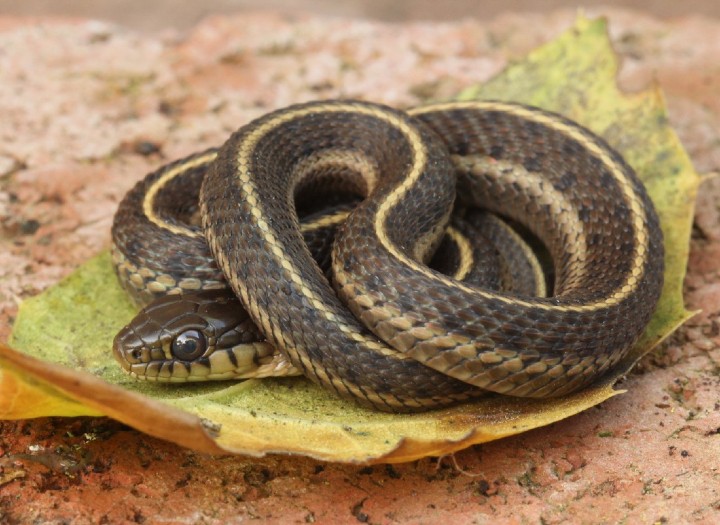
[88, 108]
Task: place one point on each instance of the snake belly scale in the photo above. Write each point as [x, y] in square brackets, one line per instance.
[394, 334]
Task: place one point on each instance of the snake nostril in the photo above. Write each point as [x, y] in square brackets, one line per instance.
[136, 354]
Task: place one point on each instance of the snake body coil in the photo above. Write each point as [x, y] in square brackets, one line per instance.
[410, 337]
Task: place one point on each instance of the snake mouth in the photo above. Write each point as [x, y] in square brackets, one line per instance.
[167, 372]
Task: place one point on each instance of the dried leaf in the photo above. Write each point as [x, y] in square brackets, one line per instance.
[64, 334]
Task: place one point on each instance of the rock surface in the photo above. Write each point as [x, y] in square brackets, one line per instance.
[88, 108]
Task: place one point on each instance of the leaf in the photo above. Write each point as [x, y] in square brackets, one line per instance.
[66, 367]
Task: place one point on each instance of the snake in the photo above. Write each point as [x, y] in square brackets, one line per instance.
[388, 330]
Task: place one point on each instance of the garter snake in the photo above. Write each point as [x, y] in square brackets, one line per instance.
[395, 334]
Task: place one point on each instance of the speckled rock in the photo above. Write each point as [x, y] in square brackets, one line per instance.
[89, 107]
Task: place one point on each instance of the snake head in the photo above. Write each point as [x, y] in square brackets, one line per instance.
[196, 337]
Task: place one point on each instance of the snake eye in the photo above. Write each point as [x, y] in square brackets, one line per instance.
[189, 345]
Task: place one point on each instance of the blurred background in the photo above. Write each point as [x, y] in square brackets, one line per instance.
[154, 15]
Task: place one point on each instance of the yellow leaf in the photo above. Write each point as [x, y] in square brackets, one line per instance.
[64, 334]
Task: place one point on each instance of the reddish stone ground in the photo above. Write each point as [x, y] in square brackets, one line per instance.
[87, 108]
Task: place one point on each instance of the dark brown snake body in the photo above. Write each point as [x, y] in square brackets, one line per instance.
[393, 333]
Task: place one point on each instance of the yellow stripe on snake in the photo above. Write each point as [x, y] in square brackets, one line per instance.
[325, 220]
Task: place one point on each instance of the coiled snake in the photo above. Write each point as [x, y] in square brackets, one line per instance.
[391, 332]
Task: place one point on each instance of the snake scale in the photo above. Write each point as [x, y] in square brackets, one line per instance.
[374, 322]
